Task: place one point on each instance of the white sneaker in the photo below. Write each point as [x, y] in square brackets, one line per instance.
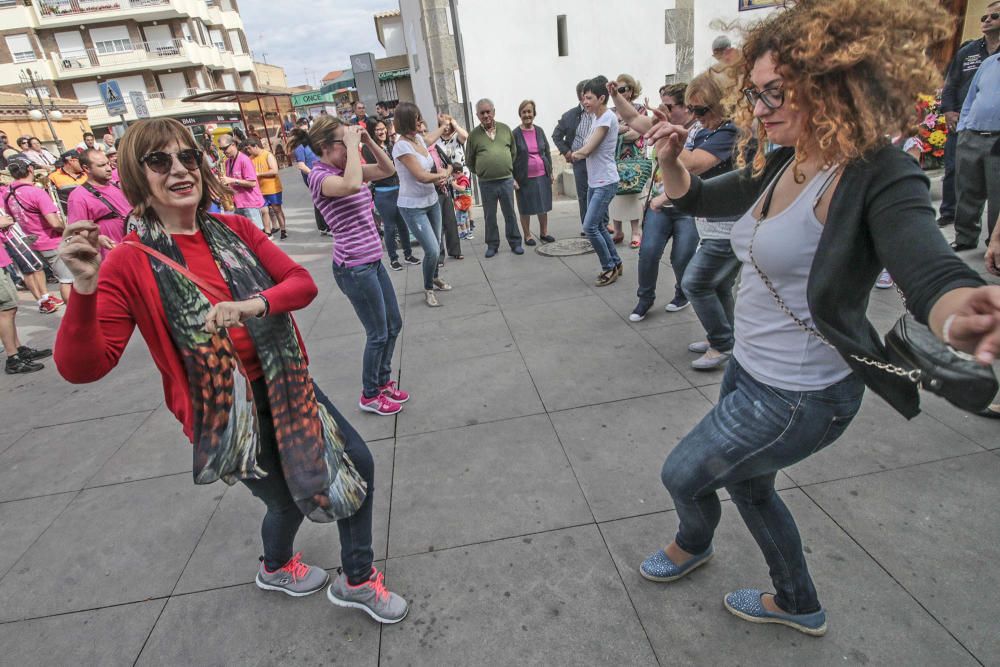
[884, 280]
[430, 298]
[701, 347]
[711, 360]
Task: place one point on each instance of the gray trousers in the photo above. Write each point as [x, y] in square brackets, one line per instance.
[499, 192]
[977, 184]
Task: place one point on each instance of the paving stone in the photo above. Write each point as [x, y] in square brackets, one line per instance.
[503, 389]
[62, 458]
[159, 447]
[228, 551]
[672, 341]
[459, 302]
[981, 430]
[551, 599]
[107, 637]
[871, 619]
[941, 546]
[8, 438]
[114, 544]
[454, 340]
[482, 483]
[573, 366]
[544, 280]
[878, 439]
[22, 521]
[247, 626]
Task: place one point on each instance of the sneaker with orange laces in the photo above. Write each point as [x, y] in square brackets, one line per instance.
[380, 404]
[294, 578]
[371, 597]
[392, 391]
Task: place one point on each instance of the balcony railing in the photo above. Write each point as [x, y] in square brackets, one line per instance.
[136, 54]
[66, 7]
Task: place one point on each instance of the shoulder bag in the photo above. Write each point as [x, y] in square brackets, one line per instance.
[633, 171]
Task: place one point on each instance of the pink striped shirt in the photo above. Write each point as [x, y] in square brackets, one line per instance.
[355, 237]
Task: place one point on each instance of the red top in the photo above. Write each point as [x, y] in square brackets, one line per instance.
[96, 327]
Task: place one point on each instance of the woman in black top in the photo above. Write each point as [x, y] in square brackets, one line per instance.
[820, 218]
[386, 191]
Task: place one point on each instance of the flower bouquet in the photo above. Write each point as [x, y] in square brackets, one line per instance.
[932, 131]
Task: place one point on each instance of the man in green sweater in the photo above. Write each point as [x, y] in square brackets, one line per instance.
[489, 153]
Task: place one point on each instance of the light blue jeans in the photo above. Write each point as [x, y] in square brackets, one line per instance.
[425, 225]
[595, 224]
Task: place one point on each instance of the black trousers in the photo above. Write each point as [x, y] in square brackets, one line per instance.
[450, 242]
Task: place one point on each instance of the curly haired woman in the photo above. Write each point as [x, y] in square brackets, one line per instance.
[821, 216]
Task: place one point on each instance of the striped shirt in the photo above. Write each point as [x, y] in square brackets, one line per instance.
[355, 238]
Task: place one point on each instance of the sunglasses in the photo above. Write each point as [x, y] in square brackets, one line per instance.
[161, 162]
[698, 111]
[772, 98]
[622, 89]
[989, 17]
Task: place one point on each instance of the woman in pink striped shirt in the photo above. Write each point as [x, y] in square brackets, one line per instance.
[338, 191]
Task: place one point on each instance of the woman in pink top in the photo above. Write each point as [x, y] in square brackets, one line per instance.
[532, 174]
[337, 183]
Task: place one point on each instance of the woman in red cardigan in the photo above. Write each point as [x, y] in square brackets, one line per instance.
[212, 297]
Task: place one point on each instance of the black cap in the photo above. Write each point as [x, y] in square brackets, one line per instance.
[69, 154]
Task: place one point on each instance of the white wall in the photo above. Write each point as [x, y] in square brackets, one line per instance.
[420, 72]
[512, 55]
[392, 32]
[710, 19]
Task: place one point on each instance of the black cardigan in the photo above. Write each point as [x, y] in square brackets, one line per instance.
[880, 216]
[521, 158]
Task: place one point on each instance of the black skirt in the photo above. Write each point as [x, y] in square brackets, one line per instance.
[535, 196]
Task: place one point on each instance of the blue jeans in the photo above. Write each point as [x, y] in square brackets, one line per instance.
[392, 221]
[500, 191]
[595, 224]
[658, 227]
[370, 292]
[283, 517]
[754, 431]
[708, 285]
[425, 225]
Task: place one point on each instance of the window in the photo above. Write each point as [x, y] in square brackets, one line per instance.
[234, 39]
[113, 46]
[561, 37]
[20, 48]
[670, 27]
[217, 40]
[186, 29]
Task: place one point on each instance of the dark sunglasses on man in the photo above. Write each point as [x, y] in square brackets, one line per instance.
[161, 162]
[993, 16]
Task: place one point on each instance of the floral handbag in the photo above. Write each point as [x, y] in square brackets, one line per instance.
[634, 169]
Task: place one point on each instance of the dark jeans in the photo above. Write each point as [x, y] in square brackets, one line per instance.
[708, 285]
[392, 222]
[370, 292]
[947, 210]
[283, 518]
[977, 183]
[658, 227]
[580, 177]
[754, 431]
[320, 222]
[501, 191]
[450, 242]
[595, 225]
[425, 225]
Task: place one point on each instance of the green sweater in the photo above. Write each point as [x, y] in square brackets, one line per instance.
[491, 159]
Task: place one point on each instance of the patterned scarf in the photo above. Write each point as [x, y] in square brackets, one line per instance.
[320, 476]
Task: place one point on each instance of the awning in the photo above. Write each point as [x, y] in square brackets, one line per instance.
[230, 96]
[394, 74]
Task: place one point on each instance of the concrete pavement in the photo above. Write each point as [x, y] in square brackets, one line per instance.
[516, 495]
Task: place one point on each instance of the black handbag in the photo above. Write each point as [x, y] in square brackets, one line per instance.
[912, 349]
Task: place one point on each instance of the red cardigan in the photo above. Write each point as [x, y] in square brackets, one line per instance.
[96, 327]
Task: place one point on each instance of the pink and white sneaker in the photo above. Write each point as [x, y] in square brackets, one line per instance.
[380, 404]
[393, 392]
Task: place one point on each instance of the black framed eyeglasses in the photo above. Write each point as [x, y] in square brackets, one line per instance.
[698, 111]
[161, 162]
[772, 98]
[993, 16]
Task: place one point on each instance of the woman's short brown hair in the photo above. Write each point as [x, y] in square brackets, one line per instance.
[520, 107]
[407, 117]
[853, 67]
[153, 134]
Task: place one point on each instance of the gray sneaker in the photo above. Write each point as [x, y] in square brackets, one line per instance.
[294, 578]
[710, 361]
[371, 597]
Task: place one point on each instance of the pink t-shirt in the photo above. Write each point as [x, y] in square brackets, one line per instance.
[536, 166]
[355, 237]
[114, 176]
[85, 206]
[29, 206]
[5, 259]
[242, 168]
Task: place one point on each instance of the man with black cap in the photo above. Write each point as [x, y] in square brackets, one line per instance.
[69, 172]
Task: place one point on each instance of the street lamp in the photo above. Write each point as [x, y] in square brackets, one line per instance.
[28, 80]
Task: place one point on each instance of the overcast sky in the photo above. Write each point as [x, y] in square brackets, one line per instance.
[311, 38]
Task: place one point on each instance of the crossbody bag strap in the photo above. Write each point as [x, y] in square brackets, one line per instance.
[183, 270]
[101, 198]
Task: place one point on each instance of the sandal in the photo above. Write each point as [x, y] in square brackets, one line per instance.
[618, 239]
[457, 256]
[636, 243]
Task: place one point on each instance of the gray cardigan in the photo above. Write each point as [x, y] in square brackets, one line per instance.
[880, 216]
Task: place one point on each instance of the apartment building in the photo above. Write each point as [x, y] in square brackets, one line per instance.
[165, 49]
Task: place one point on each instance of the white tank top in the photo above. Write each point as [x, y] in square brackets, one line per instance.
[771, 347]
